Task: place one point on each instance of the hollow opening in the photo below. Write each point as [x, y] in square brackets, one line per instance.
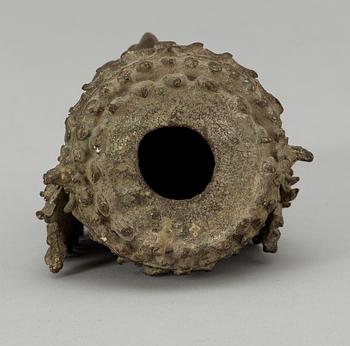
[176, 162]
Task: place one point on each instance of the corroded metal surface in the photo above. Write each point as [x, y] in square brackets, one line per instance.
[98, 183]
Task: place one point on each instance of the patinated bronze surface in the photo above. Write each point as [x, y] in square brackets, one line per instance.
[138, 118]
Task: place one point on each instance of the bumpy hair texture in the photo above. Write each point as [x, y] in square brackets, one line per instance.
[97, 182]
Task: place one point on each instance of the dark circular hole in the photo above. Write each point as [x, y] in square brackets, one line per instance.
[176, 162]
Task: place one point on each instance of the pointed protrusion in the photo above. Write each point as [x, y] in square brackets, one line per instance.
[292, 180]
[302, 154]
[56, 176]
[148, 40]
[40, 215]
[70, 204]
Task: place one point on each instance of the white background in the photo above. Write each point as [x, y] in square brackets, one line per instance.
[300, 296]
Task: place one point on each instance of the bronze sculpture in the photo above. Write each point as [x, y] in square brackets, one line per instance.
[174, 158]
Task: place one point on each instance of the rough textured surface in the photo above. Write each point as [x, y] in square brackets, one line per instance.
[98, 184]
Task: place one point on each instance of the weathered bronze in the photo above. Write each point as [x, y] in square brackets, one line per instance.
[174, 158]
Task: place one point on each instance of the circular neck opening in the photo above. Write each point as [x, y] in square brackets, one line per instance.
[176, 162]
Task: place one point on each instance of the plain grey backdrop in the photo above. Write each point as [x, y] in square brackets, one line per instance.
[300, 296]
